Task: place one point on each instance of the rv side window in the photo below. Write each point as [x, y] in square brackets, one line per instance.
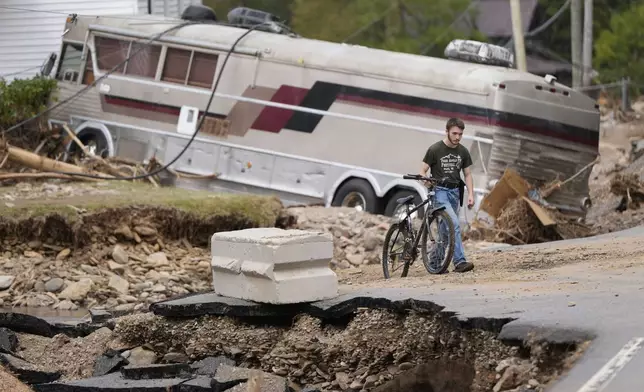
[189, 67]
[202, 70]
[69, 67]
[176, 66]
[110, 53]
[144, 60]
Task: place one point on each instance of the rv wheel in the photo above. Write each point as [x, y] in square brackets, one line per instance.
[396, 210]
[358, 194]
[93, 140]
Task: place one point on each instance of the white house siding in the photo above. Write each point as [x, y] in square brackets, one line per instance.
[165, 7]
[33, 28]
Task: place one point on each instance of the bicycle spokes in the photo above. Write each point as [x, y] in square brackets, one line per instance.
[438, 240]
[397, 251]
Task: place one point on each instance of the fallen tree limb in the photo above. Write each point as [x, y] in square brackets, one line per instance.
[18, 176]
[43, 164]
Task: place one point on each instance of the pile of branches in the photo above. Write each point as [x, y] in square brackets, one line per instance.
[517, 224]
[48, 160]
[630, 188]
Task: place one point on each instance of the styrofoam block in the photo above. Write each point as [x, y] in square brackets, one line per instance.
[273, 265]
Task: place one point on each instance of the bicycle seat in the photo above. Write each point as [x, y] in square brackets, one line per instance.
[405, 200]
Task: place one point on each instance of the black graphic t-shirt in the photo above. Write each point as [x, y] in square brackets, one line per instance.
[447, 162]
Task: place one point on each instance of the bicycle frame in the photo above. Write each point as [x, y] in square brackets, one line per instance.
[407, 219]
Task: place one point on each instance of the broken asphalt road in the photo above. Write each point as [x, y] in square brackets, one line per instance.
[603, 305]
[580, 303]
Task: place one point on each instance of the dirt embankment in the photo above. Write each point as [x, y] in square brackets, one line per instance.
[114, 245]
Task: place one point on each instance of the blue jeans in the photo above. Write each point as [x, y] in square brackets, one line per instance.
[450, 198]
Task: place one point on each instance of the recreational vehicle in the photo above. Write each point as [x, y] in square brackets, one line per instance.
[314, 121]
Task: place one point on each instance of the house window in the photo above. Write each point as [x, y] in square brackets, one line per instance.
[70, 62]
[143, 58]
[189, 68]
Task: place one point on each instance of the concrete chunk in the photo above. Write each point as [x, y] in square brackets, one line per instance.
[272, 265]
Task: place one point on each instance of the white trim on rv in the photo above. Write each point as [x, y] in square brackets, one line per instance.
[290, 107]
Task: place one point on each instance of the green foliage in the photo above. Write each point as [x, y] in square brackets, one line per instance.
[556, 37]
[23, 98]
[619, 50]
[404, 26]
[279, 8]
[397, 25]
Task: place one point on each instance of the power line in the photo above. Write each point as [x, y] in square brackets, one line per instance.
[374, 21]
[194, 135]
[544, 25]
[62, 13]
[429, 47]
[86, 88]
[20, 72]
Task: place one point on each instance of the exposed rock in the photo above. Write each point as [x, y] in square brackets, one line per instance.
[119, 284]
[120, 255]
[125, 232]
[175, 358]
[66, 305]
[77, 290]
[158, 259]
[6, 281]
[63, 254]
[145, 231]
[140, 357]
[54, 285]
[208, 366]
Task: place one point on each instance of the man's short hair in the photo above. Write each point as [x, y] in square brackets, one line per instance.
[455, 122]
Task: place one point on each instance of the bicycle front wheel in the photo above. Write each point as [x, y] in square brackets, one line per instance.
[393, 251]
[438, 248]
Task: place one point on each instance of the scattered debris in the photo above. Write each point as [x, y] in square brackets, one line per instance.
[522, 215]
[631, 189]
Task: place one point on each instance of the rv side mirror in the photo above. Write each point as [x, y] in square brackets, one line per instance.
[48, 65]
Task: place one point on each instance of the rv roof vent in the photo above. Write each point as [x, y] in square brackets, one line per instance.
[248, 17]
[261, 20]
[479, 52]
[199, 13]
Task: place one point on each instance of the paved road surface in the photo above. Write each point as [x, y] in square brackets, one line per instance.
[607, 306]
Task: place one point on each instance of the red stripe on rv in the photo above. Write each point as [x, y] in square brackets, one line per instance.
[142, 105]
[273, 119]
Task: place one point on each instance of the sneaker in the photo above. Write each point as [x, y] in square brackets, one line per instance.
[463, 266]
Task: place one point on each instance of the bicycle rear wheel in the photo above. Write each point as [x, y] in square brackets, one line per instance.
[438, 255]
[394, 238]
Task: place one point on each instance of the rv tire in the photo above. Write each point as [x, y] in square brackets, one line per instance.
[94, 140]
[393, 208]
[355, 193]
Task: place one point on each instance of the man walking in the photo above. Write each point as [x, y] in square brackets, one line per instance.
[446, 159]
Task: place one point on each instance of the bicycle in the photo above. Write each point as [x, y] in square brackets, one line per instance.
[411, 238]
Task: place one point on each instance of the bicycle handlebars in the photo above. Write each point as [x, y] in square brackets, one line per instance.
[419, 178]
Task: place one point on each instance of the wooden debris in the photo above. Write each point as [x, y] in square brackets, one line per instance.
[630, 187]
[522, 216]
[18, 163]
